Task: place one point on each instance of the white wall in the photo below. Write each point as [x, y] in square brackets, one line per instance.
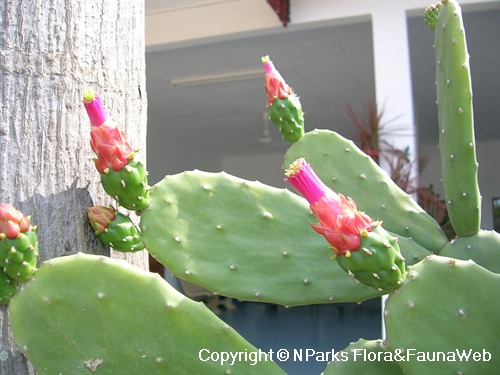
[488, 156]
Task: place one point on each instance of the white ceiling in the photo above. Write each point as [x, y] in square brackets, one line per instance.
[327, 65]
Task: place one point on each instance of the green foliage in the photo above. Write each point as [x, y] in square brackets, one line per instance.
[8, 288]
[231, 236]
[483, 248]
[86, 313]
[286, 114]
[456, 121]
[357, 359]
[122, 234]
[446, 305]
[347, 170]
[128, 186]
[18, 256]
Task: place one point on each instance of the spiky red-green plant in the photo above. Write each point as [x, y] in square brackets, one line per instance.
[18, 245]
[115, 229]
[363, 248]
[283, 105]
[122, 177]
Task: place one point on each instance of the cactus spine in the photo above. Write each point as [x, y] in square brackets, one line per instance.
[455, 118]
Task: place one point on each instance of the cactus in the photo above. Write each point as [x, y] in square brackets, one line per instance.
[329, 153]
[483, 248]
[8, 288]
[362, 247]
[87, 313]
[122, 177]
[115, 229]
[231, 236]
[283, 105]
[455, 118]
[18, 244]
[459, 316]
[228, 235]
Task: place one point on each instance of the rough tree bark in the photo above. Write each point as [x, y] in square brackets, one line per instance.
[50, 52]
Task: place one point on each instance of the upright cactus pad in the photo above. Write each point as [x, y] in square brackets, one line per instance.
[283, 105]
[347, 170]
[245, 240]
[86, 314]
[444, 311]
[456, 120]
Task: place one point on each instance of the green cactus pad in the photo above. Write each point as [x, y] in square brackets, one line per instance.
[346, 169]
[378, 263]
[286, 114]
[84, 314]
[446, 305]
[121, 234]
[8, 288]
[128, 186]
[245, 240]
[364, 357]
[18, 256]
[456, 121]
[483, 248]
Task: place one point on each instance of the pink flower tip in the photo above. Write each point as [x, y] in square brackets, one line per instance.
[303, 178]
[95, 109]
[275, 85]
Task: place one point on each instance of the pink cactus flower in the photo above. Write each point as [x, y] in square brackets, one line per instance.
[100, 217]
[111, 147]
[107, 141]
[95, 109]
[12, 222]
[339, 220]
[275, 85]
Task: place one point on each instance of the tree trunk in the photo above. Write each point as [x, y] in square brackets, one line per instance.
[50, 52]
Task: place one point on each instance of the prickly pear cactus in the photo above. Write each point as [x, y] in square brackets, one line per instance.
[379, 263]
[18, 244]
[344, 168]
[8, 288]
[483, 248]
[455, 118]
[122, 176]
[115, 229]
[228, 235]
[85, 314]
[283, 106]
[453, 321]
[364, 357]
